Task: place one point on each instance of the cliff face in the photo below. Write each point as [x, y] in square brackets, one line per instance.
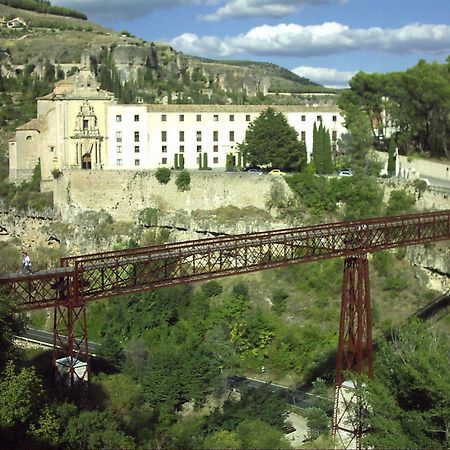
[155, 68]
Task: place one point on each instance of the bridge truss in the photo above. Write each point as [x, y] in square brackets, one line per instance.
[85, 278]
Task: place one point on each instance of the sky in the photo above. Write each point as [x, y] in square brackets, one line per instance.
[326, 41]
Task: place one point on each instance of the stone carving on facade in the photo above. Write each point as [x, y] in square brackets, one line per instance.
[87, 137]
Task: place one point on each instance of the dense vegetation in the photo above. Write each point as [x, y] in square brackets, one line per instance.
[415, 104]
[44, 6]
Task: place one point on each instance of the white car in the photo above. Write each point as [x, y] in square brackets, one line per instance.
[255, 171]
[345, 173]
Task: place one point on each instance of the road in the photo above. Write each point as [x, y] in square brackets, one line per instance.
[45, 339]
[295, 397]
[439, 183]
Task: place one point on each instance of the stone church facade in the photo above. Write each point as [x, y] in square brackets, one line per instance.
[81, 127]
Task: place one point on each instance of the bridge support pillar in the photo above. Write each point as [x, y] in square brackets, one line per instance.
[70, 344]
[354, 356]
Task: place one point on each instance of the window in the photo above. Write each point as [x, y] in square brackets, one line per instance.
[118, 136]
[163, 136]
[119, 149]
[85, 124]
[215, 148]
[181, 148]
[231, 135]
[199, 136]
[247, 117]
[181, 117]
[231, 117]
[216, 160]
[136, 136]
[199, 117]
[137, 162]
[199, 148]
[118, 162]
[216, 117]
[334, 135]
[303, 118]
[181, 136]
[164, 161]
[164, 148]
[136, 149]
[118, 118]
[136, 119]
[215, 136]
[163, 117]
[319, 118]
[303, 135]
[334, 118]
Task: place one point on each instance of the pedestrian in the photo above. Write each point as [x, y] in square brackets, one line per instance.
[26, 263]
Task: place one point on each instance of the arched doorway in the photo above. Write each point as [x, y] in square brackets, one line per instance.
[86, 161]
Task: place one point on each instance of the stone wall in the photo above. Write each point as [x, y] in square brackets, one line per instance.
[416, 168]
[123, 194]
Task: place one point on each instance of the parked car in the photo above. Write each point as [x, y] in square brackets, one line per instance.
[345, 173]
[276, 172]
[255, 171]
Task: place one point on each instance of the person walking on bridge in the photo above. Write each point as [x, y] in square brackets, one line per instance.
[26, 263]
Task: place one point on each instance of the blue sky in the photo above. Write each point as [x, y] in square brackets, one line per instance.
[326, 41]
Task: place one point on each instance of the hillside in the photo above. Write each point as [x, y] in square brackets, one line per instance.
[154, 71]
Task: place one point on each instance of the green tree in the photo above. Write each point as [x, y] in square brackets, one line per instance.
[271, 141]
[400, 202]
[162, 174]
[94, 429]
[183, 180]
[254, 433]
[409, 399]
[322, 156]
[11, 324]
[222, 439]
[358, 142]
[20, 395]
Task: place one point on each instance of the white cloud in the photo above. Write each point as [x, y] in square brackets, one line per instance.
[243, 9]
[330, 38]
[328, 77]
[192, 44]
[120, 9]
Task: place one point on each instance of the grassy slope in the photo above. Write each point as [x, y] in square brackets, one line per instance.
[66, 46]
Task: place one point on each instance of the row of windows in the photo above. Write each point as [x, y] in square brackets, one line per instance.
[119, 136]
[119, 162]
[199, 138]
[199, 117]
[231, 118]
[119, 117]
[215, 118]
[119, 149]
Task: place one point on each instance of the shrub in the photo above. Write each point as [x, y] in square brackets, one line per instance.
[212, 289]
[183, 181]
[163, 175]
[149, 217]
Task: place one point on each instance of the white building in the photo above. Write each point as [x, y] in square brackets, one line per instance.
[80, 126]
